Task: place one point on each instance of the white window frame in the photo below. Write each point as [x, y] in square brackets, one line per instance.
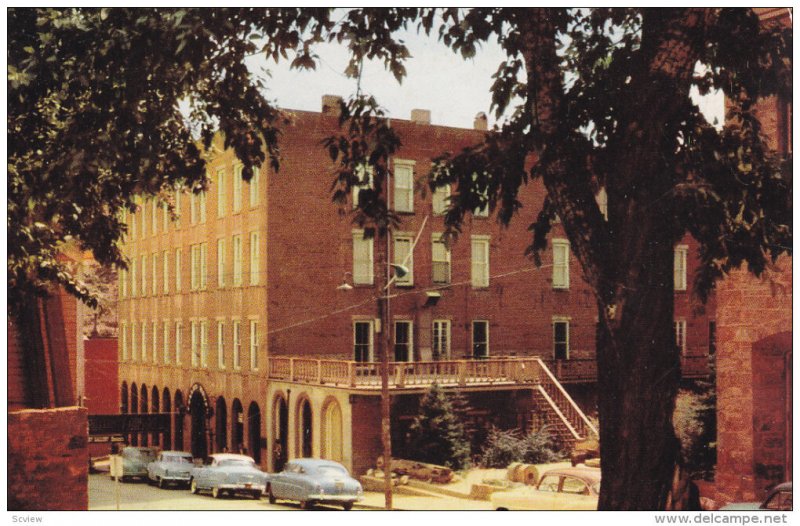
[479, 270]
[194, 272]
[203, 211]
[437, 239]
[439, 200]
[254, 345]
[254, 258]
[123, 283]
[178, 341]
[363, 268]
[154, 216]
[194, 342]
[144, 342]
[680, 258]
[204, 343]
[165, 270]
[203, 265]
[165, 215]
[371, 344]
[134, 283]
[679, 326]
[134, 345]
[472, 338]
[221, 195]
[165, 343]
[143, 262]
[154, 283]
[407, 241]
[560, 263]
[366, 175]
[220, 344]
[440, 334]
[124, 337]
[409, 344]
[561, 320]
[254, 187]
[178, 269]
[236, 243]
[237, 187]
[154, 330]
[143, 209]
[178, 192]
[221, 263]
[403, 186]
[237, 344]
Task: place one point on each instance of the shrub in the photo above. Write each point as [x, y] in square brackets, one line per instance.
[504, 447]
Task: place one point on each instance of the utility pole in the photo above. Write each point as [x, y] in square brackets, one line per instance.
[385, 345]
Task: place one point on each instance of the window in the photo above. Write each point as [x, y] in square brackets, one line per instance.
[480, 261]
[680, 334]
[440, 260]
[602, 202]
[134, 218]
[154, 282]
[123, 283]
[362, 259]
[178, 341]
[124, 347]
[194, 332]
[134, 347]
[194, 204]
[237, 261]
[202, 202]
[144, 341]
[177, 270]
[441, 339]
[403, 186]
[253, 345]
[221, 344]
[237, 188]
[194, 274]
[254, 184]
[154, 326]
[143, 288]
[178, 192]
[680, 267]
[362, 341]
[560, 264]
[143, 216]
[237, 344]
[254, 258]
[165, 214]
[165, 342]
[204, 343]
[561, 338]
[484, 210]
[220, 263]
[365, 176]
[440, 199]
[154, 216]
[403, 341]
[165, 270]
[203, 266]
[480, 339]
[403, 255]
[134, 284]
[221, 196]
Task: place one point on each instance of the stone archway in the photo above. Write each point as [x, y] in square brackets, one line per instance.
[280, 432]
[200, 414]
[167, 409]
[134, 408]
[221, 424]
[331, 432]
[180, 410]
[155, 407]
[237, 426]
[144, 410]
[254, 431]
[305, 428]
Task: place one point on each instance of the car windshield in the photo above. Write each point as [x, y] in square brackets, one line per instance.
[139, 453]
[178, 459]
[330, 469]
[236, 462]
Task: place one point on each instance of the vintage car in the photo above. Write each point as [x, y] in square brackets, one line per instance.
[228, 474]
[135, 460]
[779, 498]
[170, 467]
[310, 481]
[559, 489]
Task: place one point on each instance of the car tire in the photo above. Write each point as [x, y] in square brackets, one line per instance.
[257, 495]
[347, 506]
[216, 493]
[272, 499]
[193, 487]
[306, 505]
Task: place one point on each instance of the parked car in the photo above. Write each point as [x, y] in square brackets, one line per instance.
[135, 460]
[559, 489]
[170, 467]
[779, 498]
[312, 481]
[228, 473]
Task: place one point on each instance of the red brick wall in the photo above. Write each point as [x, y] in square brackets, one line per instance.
[102, 391]
[48, 461]
[366, 431]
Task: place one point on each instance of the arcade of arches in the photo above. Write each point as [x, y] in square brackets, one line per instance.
[302, 425]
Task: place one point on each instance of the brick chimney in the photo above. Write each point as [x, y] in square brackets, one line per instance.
[481, 122]
[421, 116]
[331, 105]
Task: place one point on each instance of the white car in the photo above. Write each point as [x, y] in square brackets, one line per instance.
[558, 489]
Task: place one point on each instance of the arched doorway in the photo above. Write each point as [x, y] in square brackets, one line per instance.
[198, 410]
[221, 424]
[254, 431]
[331, 431]
[144, 410]
[134, 405]
[123, 399]
[179, 412]
[237, 429]
[305, 428]
[155, 407]
[167, 409]
[280, 432]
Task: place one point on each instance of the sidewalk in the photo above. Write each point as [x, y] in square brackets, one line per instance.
[375, 501]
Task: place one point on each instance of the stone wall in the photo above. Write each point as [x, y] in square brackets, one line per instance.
[48, 462]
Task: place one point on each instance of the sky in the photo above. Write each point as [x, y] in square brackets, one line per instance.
[455, 90]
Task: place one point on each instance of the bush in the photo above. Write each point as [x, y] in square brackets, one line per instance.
[505, 447]
[437, 433]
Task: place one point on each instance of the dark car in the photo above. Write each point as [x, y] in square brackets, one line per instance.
[311, 481]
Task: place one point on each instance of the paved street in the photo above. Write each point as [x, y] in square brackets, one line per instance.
[141, 496]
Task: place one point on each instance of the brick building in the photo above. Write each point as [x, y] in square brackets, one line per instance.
[754, 361]
[254, 316]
